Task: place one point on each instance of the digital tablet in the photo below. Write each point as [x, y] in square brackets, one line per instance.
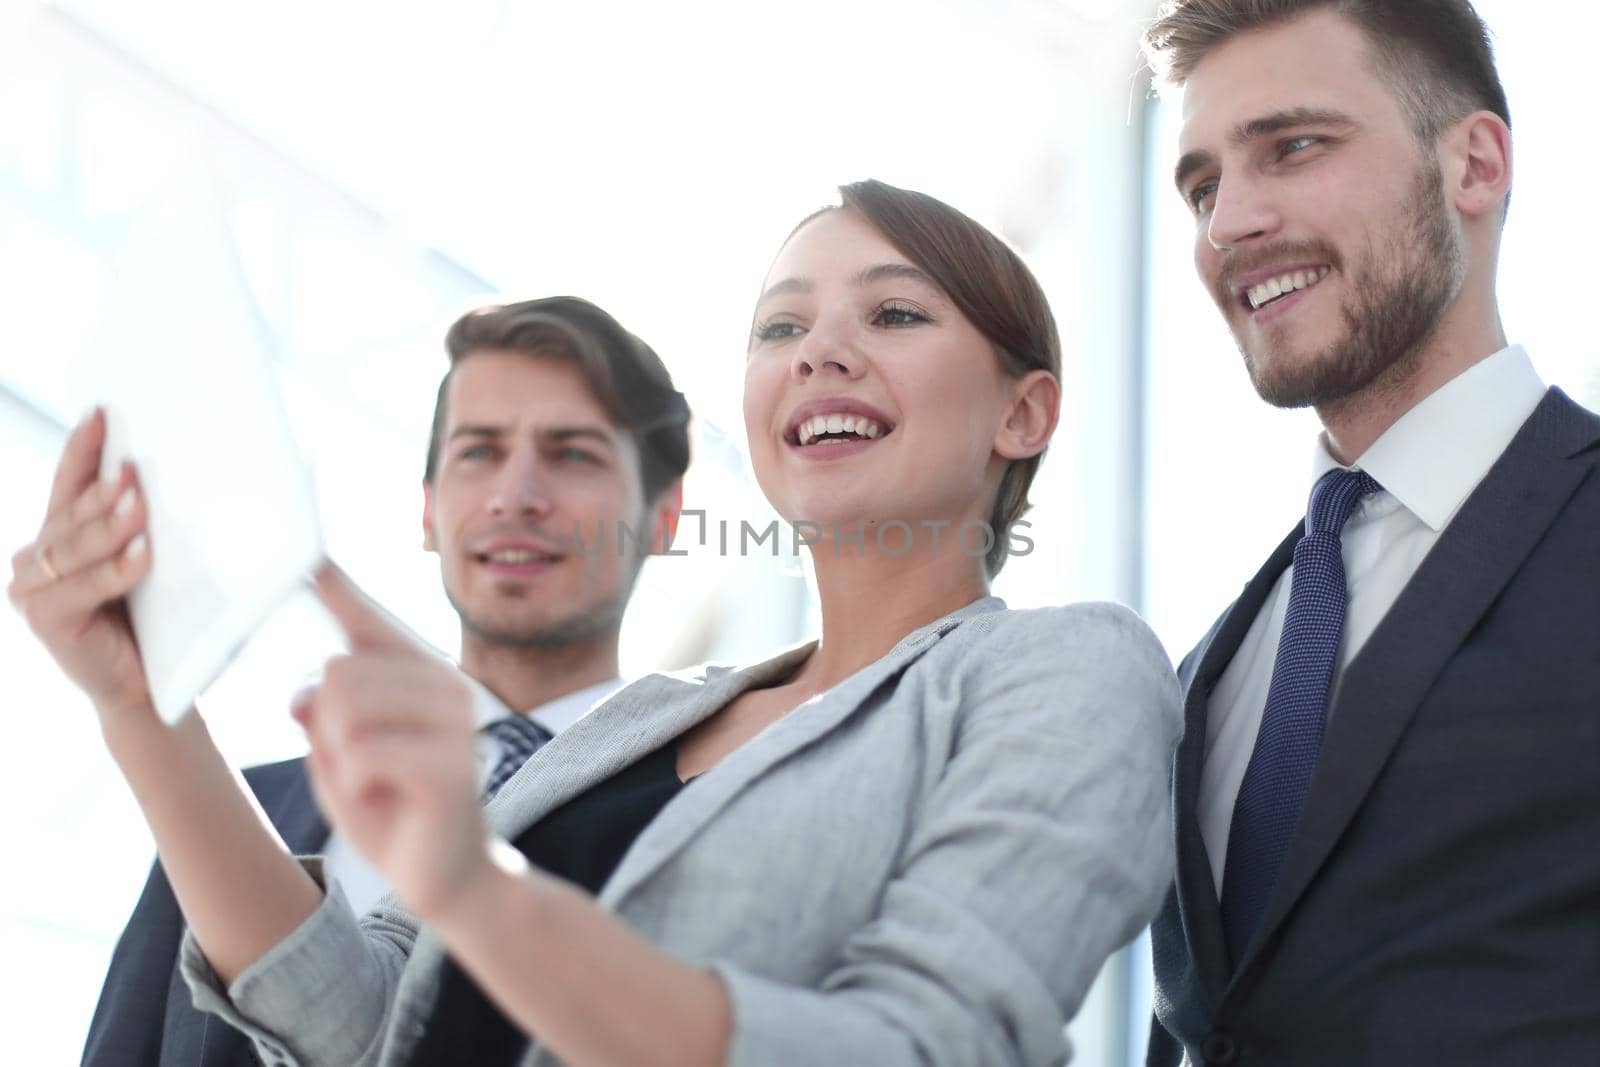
[183, 368]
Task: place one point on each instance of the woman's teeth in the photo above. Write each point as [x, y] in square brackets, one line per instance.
[811, 430]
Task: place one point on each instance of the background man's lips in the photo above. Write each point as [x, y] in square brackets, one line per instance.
[518, 544]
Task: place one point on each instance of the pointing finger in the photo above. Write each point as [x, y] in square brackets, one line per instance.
[366, 626]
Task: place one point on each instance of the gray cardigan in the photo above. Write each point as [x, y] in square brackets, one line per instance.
[925, 865]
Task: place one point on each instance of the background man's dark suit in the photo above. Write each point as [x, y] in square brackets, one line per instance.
[145, 1016]
[1440, 903]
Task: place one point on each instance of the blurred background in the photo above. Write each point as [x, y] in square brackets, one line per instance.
[381, 167]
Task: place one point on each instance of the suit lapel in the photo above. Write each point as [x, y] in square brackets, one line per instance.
[297, 818]
[1458, 581]
[1197, 893]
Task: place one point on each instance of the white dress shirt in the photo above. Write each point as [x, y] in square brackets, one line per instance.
[1428, 463]
[364, 885]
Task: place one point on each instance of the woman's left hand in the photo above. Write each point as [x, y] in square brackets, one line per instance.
[392, 761]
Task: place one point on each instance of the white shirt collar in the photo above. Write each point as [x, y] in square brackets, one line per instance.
[1434, 455]
[555, 715]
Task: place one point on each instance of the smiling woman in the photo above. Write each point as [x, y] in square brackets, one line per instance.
[912, 841]
[941, 308]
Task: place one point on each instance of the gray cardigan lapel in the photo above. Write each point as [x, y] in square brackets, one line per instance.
[1197, 892]
[1457, 583]
[633, 723]
[691, 809]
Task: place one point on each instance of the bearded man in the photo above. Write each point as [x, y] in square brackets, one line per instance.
[1387, 801]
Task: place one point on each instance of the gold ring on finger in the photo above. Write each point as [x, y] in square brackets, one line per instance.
[42, 554]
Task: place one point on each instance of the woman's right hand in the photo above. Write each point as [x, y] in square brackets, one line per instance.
[71, 581]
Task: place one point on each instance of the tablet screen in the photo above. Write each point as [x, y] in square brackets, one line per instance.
[184, 371]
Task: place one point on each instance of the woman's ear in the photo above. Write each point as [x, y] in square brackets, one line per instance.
[1031, 415]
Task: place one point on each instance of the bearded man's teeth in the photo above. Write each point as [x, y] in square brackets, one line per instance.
[1273, 288]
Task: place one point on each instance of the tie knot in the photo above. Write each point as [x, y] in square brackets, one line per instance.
[1334, 497]
[520, 735]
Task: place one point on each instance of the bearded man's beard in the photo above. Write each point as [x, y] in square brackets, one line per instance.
[1395, 303]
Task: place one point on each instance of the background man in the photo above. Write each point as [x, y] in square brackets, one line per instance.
[1386, 802]
[553, 422]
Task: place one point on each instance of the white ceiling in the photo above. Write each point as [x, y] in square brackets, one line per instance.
[649, 156]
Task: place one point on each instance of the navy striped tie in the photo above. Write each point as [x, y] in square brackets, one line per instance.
[1273, 793]
[519, 737]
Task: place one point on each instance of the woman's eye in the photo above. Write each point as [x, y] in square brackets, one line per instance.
[776, 331]
[897, 315]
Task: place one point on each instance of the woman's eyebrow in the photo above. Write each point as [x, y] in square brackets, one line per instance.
[788, 285]
[876, 273]
[903, 271]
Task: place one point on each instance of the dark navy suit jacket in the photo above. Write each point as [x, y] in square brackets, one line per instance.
[1440, 903]
[145, 1017]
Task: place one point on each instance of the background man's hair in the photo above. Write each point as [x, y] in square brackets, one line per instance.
[1436, 54]
[624, 373]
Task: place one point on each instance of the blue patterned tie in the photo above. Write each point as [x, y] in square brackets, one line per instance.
[520, 737]
[1273, 793]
